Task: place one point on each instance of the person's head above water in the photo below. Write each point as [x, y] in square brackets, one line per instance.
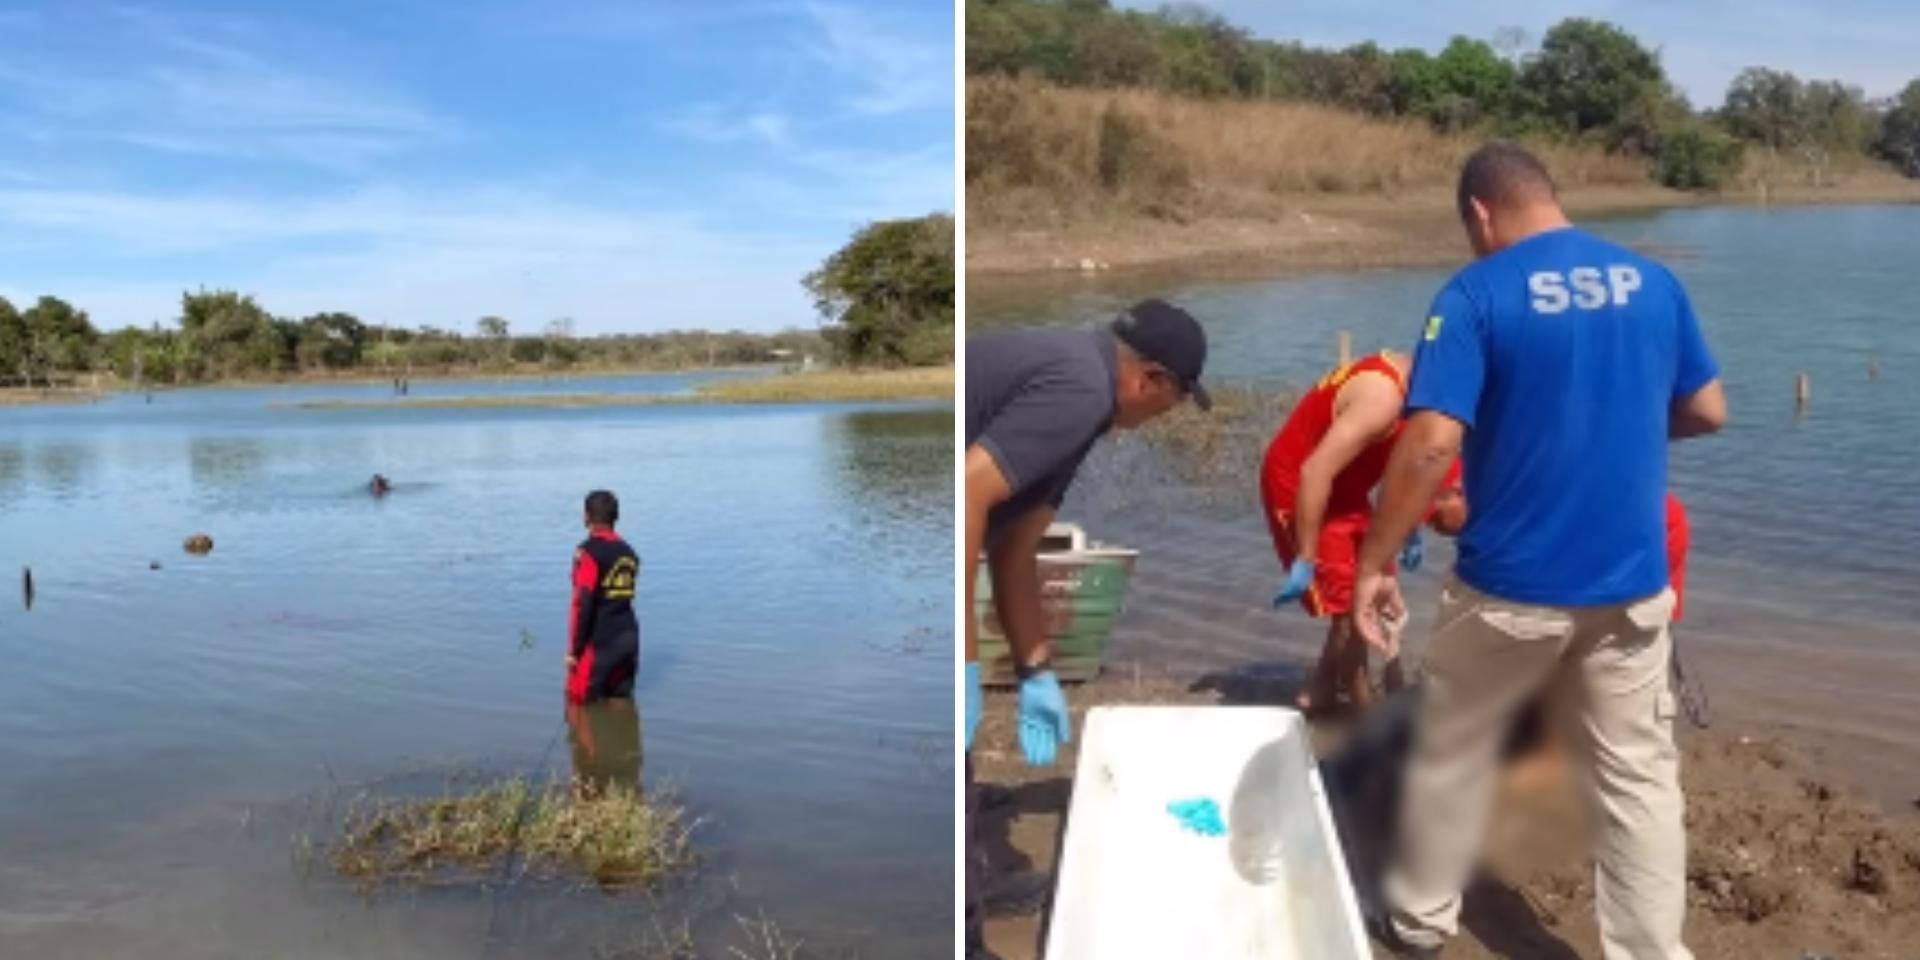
[378, 484]
[603, 510]
[1506, 196]
[1161, 352]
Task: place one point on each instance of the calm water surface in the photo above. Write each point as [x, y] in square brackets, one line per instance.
[1814, 515]
[165, 734]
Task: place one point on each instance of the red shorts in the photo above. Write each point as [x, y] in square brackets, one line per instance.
[1331, 594]
[1677, 539]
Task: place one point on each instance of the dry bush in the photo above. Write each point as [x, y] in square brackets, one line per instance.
[1038, 152]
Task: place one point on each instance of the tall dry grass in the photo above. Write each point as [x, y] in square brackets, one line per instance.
[1039, 152]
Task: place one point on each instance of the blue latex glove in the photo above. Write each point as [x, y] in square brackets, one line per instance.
[1299, 578]
[973, 701]
[1044, 723]
[1413, 553]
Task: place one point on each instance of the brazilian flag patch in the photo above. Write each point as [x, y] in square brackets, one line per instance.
[1433, 326]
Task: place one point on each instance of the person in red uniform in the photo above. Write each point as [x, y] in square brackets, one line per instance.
[1316, 485]
[603, 638]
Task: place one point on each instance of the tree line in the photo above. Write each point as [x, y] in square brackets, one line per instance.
[224, 335]
[1587, 80]
[884, 299]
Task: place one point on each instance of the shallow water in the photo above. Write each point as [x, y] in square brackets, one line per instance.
[166, 734]
[1803, 569]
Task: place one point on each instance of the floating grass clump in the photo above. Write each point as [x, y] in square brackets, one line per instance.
[618, 837]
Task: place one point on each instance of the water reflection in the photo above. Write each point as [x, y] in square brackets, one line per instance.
[12, 467]
[896, 462]
[64, 468]
[605, 736]
[225, 461]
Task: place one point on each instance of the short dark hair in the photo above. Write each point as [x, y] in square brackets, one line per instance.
[603, 507]
[1502, 175]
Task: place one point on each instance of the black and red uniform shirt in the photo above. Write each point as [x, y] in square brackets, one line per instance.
[604, 636]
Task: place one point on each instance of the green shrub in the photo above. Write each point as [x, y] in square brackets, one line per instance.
[1696, 157]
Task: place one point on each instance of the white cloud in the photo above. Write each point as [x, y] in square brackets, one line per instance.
[896, 71]
[407, 256]
[191, 92]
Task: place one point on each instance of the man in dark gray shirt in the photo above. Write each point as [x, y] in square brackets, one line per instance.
[1036, 402]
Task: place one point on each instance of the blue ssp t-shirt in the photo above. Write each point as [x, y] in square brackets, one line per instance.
[1563, 356]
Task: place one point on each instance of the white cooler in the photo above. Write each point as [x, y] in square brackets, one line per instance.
[1136, 883]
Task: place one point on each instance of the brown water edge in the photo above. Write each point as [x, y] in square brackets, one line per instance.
[1414, 228]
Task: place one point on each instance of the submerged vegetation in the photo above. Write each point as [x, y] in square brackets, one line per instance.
[618, 837]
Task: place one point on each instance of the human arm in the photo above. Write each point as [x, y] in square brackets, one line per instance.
[1364, 411]
[1015, 567]
[586, 576]
[1418, 468]
[985, 488]
[1699, 402]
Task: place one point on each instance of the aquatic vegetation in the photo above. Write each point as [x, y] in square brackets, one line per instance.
[618, 837]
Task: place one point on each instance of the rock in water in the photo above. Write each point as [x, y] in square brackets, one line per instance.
[199, 543]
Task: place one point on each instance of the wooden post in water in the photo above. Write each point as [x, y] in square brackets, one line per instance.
[1802, 391]
[1346, 348]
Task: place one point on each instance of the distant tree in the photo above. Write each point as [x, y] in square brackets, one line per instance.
[228, 334]
[15, 344]
[887, 296]
[1696, 156]
[1899, 140]
[1588, 75]
[1814, 120]
[336, 341]
[59, 337]
[1765, 106]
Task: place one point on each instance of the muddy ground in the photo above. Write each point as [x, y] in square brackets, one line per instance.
[1783, 862]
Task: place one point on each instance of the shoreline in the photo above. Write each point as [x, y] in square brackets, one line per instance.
[113, 386]
[833, 386]
[1312, 232]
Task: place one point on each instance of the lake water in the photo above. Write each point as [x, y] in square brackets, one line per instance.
[1803, 568]
[166, 734]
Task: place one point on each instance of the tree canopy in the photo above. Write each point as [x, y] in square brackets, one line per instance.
[887, 296]
[1587, 80]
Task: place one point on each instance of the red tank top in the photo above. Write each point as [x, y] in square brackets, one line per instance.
[1309, 422]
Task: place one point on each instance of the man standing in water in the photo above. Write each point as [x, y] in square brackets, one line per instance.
[603, 636]
[1036, 402]
[1564, 364]
[1316, 488]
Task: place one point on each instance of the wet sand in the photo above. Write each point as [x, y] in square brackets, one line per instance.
[1801, 819]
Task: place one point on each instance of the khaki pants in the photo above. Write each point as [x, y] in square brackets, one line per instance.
[1605, 671]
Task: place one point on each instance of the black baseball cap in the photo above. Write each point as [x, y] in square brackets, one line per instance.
[1171, 337]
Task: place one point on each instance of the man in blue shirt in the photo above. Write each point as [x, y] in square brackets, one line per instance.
[1558, 366]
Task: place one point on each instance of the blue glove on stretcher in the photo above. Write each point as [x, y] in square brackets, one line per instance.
[1299, 578]
[1044, 723]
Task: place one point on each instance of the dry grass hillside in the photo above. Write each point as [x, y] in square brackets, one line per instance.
[1057, 177]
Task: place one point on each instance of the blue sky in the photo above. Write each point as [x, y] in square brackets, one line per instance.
[632, 165]
[1872, 44]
